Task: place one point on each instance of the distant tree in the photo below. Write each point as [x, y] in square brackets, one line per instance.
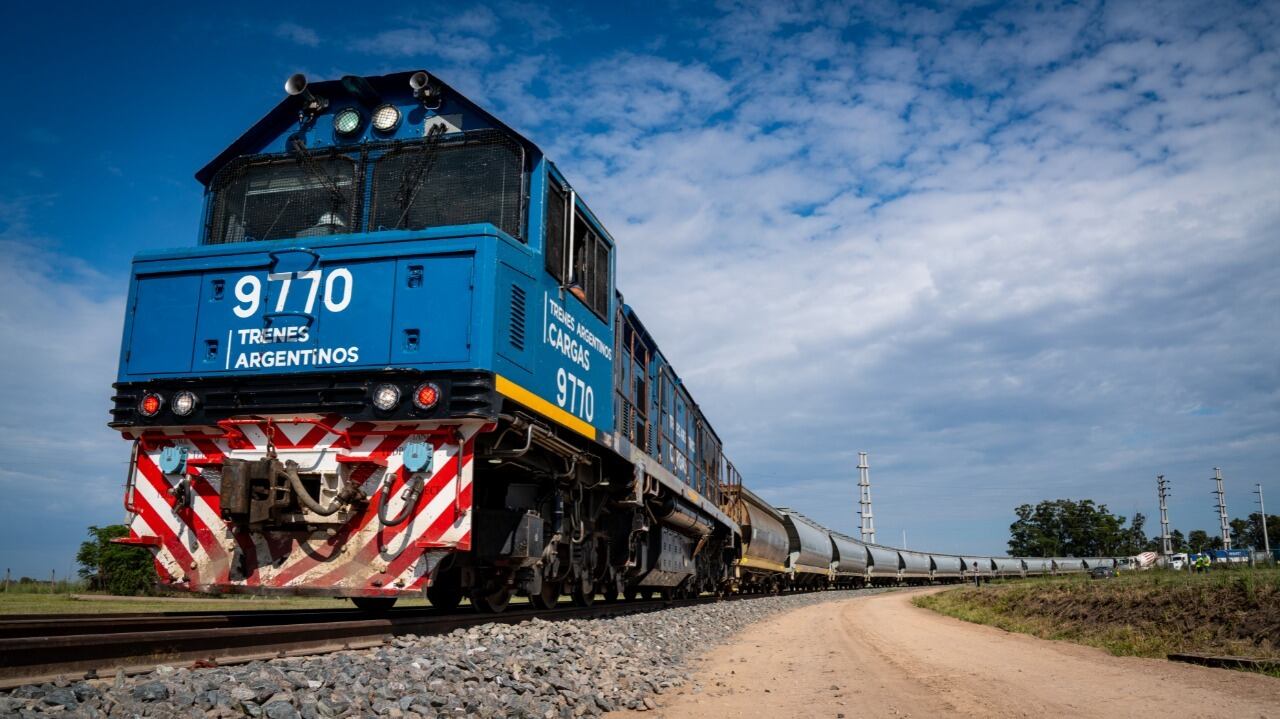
[1177, 541]
[116, 568]
[1241, 533]
[1248, 532]
[1134, 539]
[1063, 527]
[1200, 541]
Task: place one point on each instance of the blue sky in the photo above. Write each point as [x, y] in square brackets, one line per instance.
[1013, 252]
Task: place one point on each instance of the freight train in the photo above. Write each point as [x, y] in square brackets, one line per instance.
[395, 362]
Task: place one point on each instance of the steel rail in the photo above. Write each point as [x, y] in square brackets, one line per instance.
[44, 651]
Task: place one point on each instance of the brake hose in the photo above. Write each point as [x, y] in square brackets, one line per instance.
[346, 495]
[411, 495]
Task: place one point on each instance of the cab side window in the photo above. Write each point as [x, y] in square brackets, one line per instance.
[557, 231]
[579, 260]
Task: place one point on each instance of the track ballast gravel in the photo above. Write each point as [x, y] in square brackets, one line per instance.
[549, 670]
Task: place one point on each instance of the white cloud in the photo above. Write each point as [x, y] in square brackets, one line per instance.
[63, 468]
[298, 34]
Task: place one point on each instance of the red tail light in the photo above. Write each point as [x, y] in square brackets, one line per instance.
[150, 404]
[426, 396]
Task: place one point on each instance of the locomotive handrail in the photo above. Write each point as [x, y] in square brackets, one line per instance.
[269, 316]
[129, 479]
[275, 255]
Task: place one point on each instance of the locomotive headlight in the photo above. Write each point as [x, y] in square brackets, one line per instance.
[150, 404]
[386, 397]
[347, 121]
[426, 396]
[386, 118]
[184, 403]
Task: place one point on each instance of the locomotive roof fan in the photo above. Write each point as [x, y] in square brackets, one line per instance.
[311, 104]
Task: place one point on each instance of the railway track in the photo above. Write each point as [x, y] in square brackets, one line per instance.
[39, 648]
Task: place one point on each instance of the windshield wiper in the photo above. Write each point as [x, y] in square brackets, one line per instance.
[417, 173]
[314, 169]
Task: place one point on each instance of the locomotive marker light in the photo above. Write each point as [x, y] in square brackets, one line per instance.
[312, 105]
[426, 396]
[150, 404]
[386, 118]
[184, 403]
[348, 121]
[386, 397]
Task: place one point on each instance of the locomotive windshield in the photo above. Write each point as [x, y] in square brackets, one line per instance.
[279, 198]
[476, 177]
[426, 184]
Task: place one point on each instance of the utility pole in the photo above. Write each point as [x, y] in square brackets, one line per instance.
[1222, 509]
[867, 522]
[1166, 542]
[1266, 539]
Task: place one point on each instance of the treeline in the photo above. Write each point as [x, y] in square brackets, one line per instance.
[115, 568]
[1069, 528]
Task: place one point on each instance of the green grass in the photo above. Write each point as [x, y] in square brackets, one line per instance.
[1150, 614]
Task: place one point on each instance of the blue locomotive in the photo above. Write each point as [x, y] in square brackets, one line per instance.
[397, 361]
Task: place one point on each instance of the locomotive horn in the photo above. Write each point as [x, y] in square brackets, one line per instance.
[420, 83]
[297, 85]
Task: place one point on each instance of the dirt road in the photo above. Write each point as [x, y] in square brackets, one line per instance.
[880, 656]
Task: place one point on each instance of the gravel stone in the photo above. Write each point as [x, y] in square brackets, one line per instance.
[60, 697]
[280, 709]
[153, 691]
[536, 669]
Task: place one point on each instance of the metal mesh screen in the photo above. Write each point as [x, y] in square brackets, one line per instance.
[299, 196]
[477, 178]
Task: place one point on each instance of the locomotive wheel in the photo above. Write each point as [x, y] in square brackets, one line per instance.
[629, 594]
[490, 600]
[610, 592]
[583, 597]
[374, 604]
[445, 593]
[548, 597]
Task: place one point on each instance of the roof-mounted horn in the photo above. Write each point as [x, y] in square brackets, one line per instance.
[311, 105]
[427, 92]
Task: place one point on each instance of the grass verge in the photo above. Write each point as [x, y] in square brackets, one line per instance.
[1148, 614]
